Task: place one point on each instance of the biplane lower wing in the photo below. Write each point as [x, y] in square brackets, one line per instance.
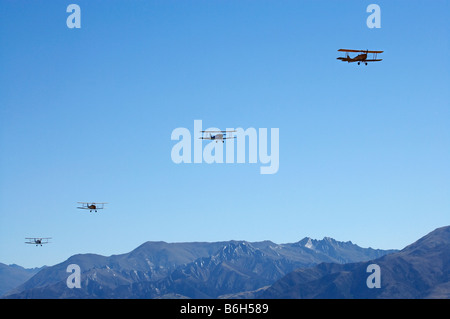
[217, 138]
[37, 243]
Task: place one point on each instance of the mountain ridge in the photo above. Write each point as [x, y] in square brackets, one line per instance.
[13, 275]
[420, 270]
[157, 269]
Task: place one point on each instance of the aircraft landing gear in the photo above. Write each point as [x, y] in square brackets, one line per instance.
[359, 63]
[366, 63]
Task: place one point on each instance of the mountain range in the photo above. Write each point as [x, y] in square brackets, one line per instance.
[228, 269]
[13, 275]
[420, 270]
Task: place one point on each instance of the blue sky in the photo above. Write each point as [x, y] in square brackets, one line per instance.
[87, 114]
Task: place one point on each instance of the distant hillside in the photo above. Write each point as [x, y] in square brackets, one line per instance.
[12, 276]
[192, 270]
[420, 270]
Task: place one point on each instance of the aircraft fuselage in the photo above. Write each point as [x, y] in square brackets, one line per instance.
[359, 57]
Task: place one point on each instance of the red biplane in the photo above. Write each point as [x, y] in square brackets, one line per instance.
[361, 57]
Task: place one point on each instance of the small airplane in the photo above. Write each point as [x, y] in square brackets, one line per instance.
[219, 136]
[37, 241]
[91, 206]
[362, 57]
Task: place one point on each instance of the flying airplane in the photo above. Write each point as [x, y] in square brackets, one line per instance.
[91, 206]
[219, 136]
[362, 57]
[37, 241]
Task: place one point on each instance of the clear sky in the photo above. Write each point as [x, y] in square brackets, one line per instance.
[87, 115]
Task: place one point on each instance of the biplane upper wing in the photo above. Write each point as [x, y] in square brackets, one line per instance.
[346, 50]
[217, 131]
[87, 203]
[363, 51]
[32, 240]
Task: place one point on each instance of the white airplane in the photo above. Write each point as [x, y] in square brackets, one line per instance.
[37, 241]
[219, 136]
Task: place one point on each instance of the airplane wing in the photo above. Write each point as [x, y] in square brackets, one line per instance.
[373, 60]
[364, 51]
[346, 50]
[35, 238]
[34, 243]
[217, 131]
